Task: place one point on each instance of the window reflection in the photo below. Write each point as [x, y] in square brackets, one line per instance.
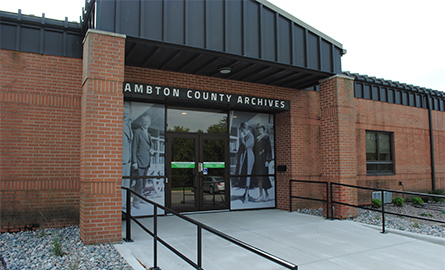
[181, 120]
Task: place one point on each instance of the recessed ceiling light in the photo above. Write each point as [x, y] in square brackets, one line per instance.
[225, 70]
[183, 113]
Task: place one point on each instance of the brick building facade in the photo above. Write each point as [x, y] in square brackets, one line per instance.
[62, 122]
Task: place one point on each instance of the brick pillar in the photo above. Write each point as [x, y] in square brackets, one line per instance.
[338, 140]
[101, 137]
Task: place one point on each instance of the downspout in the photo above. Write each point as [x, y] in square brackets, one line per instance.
[430, 118]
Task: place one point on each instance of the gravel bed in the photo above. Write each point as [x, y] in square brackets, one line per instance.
[34, 250]
[396, 222]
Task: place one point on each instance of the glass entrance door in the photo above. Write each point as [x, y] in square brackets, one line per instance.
[197, 171]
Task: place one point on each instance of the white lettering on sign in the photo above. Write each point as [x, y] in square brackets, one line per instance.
[165, 92]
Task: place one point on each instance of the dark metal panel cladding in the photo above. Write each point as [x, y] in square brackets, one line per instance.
[252, 29]
[215, 25]
[299, 44]
[284, 40]
[8, 36]
[30, 39]
[313, 51]
[106, 15]
[174, 21]
[234, 27]
[53, 42]
[195, 19]
[153, 24]
[326, 56]
[130, 18]
[268, 32]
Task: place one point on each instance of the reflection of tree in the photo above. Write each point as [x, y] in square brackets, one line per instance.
[183, 149]
[179, 129]
[220, 128]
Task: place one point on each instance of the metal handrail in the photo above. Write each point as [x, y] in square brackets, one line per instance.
[200, 227]
[308, 198]
[383, 205]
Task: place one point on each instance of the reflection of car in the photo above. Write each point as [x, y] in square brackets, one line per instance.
[213, 184]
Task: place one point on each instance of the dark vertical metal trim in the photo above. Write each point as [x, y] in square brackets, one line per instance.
[260, 32]
[225, 26]
[243, 27]
[206, 23]
[277, 37]
[164, 21]
[141, 18]
[320, 54]
[333, 62]
[186, 23]
[117, 22]
[42, 33]
[64, 38]
[430, 121]
[18, 30]
[306, 48]
[292, 44]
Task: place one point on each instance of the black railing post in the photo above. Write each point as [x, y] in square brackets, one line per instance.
[383, 212]
[199, 246]
[155, 239]
[332, 198]
[290, 195]
[128, 216]
[327, 200]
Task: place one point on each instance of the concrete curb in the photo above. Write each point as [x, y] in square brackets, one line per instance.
[417, 236]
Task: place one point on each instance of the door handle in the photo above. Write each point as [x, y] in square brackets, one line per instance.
[200, 166]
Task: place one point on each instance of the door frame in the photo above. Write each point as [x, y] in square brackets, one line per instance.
[199, 176]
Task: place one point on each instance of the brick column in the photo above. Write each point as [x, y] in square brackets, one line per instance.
[101, 137]
[338, 140]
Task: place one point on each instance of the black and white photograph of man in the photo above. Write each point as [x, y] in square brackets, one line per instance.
[252, 160]
[144, 127]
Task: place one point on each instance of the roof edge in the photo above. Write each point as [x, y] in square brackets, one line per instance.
[300, 22]
[394, 84]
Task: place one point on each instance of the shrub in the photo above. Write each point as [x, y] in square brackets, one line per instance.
[376, 203]
[57, 248]
[416, 200]
[398, 201]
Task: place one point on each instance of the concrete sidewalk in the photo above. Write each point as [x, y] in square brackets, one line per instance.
[308, 241]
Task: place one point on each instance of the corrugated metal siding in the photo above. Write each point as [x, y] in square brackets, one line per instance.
[245, 27]
[40, 35]
[394, 92]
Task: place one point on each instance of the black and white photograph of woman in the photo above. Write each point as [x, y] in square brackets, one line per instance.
[252, 160]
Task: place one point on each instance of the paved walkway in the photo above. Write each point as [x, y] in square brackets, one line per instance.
[310, 242]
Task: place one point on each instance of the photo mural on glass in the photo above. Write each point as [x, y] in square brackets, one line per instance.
[143, 155]
[252, 166]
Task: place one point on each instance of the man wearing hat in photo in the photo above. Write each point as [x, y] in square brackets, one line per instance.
[141, 154]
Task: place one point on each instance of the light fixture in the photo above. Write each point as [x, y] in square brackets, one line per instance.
[225, 70]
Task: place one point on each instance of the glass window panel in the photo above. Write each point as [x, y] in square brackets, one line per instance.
[372, 168]
[371, 143]
[384, 146]
[182, 120]
[386, 168]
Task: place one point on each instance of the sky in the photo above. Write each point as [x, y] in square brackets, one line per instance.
[398, 40]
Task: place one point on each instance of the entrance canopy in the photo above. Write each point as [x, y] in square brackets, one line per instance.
[245, 40]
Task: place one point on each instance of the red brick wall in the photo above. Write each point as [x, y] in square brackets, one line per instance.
[411, 145]
[40, 140]
[101, 138]
[338, 143]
